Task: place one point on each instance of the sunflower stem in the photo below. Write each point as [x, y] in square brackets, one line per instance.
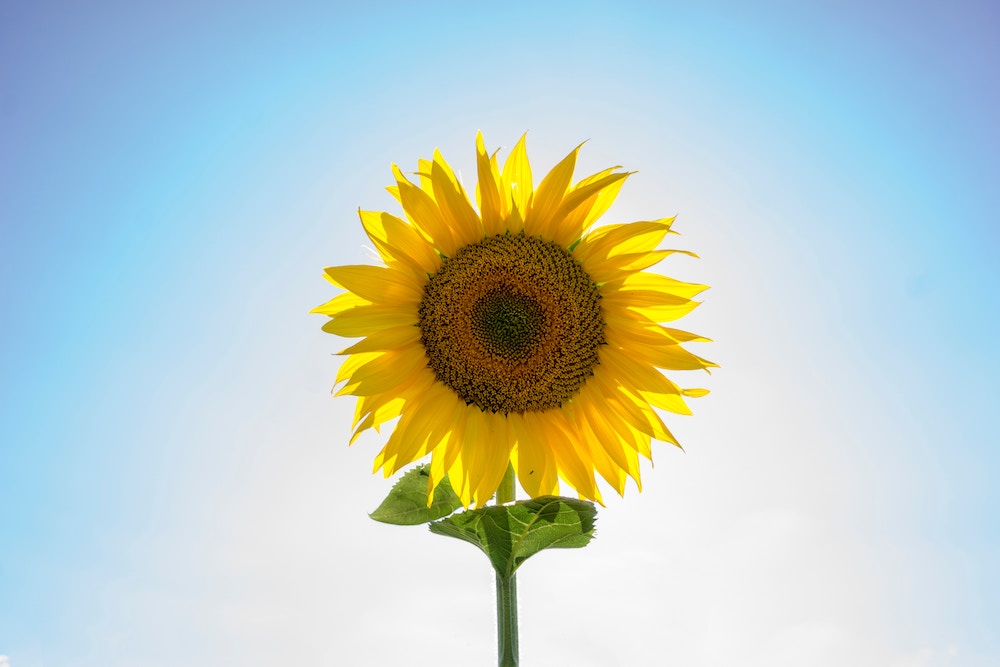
[506, 591]
[506, 490]
[507, 621]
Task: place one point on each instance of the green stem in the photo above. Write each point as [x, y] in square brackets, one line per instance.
[506, 591]
[507, 621]
[506, 490]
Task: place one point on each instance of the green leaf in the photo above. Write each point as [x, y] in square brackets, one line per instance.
[510, 534]
[406, 504]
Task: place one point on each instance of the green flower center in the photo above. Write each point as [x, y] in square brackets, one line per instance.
[507, 323]
[512, 324]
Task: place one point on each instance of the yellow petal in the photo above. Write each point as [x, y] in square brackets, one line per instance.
[566, 450]
[625, 405]
[423, 212]
[598, 457]
[605, 198]
[671, 357]
[489, 191]
[454, 204]
[584, 204]
[549, 196]
[340, 303]
[517, 178]
[444, 452]
[373, 415]
[444, 456]
[607, 451]
[418, 430]
[367, 320]
[352, 363]
[646, 380]
[389, 372]
[656, 306]
[387, 339]
[395, 240]
[533, 460]
[646, 281]
[612, 240]
[377, 284]
[515, 220]
[470, 425]
[494, 459]
[611, 268]
[648, 332]
[473, 452]
[426, 180]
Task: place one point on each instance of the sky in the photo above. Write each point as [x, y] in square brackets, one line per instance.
[175, 481]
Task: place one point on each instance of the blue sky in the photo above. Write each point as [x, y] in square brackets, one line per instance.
[175, 485]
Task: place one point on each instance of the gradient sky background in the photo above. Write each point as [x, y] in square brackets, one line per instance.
[175, 485]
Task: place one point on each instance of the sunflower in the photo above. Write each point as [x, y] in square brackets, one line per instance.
[515, 335]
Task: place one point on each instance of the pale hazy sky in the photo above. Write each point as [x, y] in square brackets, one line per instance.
[175, 485]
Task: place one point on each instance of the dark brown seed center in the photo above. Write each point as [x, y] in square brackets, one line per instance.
[512, 324]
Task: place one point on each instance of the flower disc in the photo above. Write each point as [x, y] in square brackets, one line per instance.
[512, 324]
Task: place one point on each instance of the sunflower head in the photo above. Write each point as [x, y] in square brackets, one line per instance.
[512, 332]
